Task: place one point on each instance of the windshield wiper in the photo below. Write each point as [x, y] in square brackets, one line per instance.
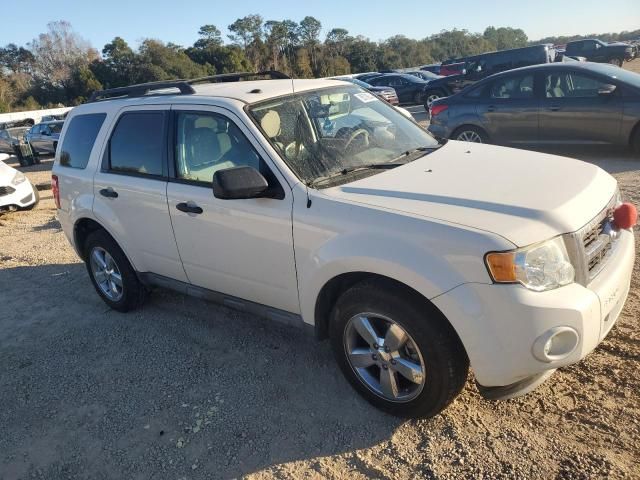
[355, 168]
[411, 152]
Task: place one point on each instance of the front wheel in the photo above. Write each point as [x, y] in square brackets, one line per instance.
[616, 61]
[111, 273]
[431, 96]
[402, 357]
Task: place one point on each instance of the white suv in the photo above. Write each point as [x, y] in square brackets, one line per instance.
[312, 202]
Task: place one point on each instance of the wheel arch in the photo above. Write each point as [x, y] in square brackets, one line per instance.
[83, 227]
[468, 124]
[339, 284]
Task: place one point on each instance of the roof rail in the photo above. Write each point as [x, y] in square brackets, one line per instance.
[141, 89]
[236, 77]
[184, 86]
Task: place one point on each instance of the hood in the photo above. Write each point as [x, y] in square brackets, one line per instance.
[523, 196]
[619, 44]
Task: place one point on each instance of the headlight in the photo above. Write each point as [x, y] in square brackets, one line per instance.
[18, 178]
[539, 267]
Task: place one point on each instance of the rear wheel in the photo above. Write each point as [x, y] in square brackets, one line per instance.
[402, 357]
[111, 273]
[469, 133]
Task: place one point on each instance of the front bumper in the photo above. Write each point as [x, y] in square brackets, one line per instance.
[24, 196]
[504, 327]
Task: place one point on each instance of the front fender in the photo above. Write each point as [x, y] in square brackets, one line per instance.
[334, 237]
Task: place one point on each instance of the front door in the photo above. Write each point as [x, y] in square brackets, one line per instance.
[130, 191]
[573, 109]
[510, 109]
[242, 248]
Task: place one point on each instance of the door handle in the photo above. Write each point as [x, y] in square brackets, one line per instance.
[189, 208]
[554, 108]
[109, 193]
[491, 108]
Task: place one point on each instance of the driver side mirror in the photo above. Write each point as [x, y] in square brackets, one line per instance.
[239, 183]
[606, 89]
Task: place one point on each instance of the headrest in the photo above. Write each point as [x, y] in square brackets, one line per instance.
[270, 123]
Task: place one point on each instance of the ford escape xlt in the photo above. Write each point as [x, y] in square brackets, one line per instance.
[312, 202]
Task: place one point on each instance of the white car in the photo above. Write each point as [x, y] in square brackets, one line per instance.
[313, 203]
[16, 192]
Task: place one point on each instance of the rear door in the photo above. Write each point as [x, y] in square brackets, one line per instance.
[130, 190]
[509, 109]
[573, 110]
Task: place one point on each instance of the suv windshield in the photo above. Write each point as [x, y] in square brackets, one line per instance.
[321, 133]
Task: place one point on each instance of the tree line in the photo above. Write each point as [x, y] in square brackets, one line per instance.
[61, 67]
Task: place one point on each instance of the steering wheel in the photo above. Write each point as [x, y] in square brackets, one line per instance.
[356, 134]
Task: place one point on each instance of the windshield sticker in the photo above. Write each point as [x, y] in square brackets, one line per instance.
[365, 97]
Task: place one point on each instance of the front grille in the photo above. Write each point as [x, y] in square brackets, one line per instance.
[590, 246]
[6, 191]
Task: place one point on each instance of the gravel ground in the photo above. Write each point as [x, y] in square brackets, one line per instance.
[184, 389]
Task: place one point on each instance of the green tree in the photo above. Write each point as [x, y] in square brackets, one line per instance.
[210, 36]
[505, 37]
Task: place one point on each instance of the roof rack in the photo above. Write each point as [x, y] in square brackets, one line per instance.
[184, 86]
[141, 89]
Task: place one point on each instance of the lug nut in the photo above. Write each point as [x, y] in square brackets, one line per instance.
[376, 346]
[393, 361]
[384, 366]
[374, 356]
[386, 349]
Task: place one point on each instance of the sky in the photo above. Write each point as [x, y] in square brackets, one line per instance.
[179, 21]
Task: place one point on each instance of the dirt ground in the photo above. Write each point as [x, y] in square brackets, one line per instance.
[184, 389]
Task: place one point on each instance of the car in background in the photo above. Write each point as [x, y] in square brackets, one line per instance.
[477, 67]
[16, 191]
[365, 77]
[453, 68]
[433, 68]
[410, 89]
[598, 51]
[44, 137]
[10, 138]
[558, 103]
[385, 93]
[422, 75]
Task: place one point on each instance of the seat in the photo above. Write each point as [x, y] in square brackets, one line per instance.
[203, 148]
[555, 87]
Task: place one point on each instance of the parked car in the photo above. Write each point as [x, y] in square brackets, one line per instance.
[575, 102]
[385, 93]
[410, 89]
[453, 68]
[481, 66]
[423, 75]
[597, 51]
[365, 77]
[10, 138]
[312, 202]
[44, 137]
[16, 192]
[433, 68]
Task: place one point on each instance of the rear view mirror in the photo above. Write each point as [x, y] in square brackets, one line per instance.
[239, 183]
[606, 89]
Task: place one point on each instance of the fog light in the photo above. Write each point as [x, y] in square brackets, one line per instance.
[555, 344]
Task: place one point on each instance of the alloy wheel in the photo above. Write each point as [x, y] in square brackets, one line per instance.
[384, 357]
[106, 274]
[469, 136]
[432, 98]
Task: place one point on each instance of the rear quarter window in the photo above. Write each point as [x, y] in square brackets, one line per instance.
[79, 139]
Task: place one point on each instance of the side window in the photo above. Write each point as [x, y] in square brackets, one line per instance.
[137, 144]
[207, 142]
[572, 85]
[520, 86]
[79, 139]
[396, 82]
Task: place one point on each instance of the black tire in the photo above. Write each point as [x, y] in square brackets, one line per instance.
[484, 138]
[133, 292]
[431, 95]
[445, 360]
[616, 61]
